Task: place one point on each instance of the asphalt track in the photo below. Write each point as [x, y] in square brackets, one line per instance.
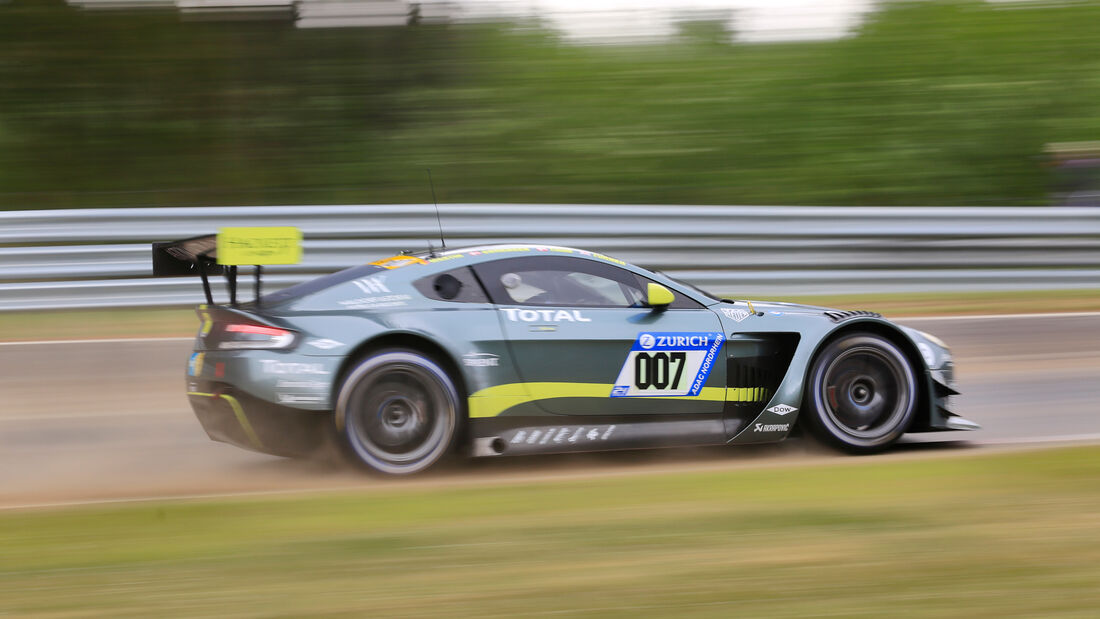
[107, 420]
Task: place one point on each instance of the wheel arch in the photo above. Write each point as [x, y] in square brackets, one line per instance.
[411, 341]
[899, 338]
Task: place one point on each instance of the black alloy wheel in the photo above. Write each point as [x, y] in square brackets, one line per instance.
[861, 394]
[398, 412]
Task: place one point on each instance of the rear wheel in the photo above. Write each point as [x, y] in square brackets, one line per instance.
[861, 394]
[399, 412]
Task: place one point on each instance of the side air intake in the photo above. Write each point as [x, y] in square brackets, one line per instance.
[755, 366]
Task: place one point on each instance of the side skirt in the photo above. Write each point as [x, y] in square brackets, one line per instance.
[517, 436]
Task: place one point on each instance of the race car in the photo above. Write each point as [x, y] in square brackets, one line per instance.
[508, 350]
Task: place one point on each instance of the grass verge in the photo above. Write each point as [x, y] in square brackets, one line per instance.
[174, 322]
[991, 535]
[97, 323]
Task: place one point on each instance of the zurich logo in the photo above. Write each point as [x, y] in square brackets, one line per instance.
[647, 341]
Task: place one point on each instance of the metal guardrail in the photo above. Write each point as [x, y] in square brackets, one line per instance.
[101, 257]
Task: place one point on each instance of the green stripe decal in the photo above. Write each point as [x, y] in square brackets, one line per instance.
[492, 401]
[238, 412]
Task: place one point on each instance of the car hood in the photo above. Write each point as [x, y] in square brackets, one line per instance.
[780, 307]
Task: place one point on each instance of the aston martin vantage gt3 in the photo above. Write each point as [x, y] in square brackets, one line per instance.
[508, 350]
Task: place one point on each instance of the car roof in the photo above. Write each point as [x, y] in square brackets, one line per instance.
[483, 253]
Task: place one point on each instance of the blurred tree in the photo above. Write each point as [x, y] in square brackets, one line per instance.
[705, 29]
[155, 110]
[936, 103]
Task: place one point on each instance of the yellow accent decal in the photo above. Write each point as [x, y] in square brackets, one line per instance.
[751, 308]
[609, 259]
[207, 324]
[401, 261]
[445, 258]
[746, 394]
[238, 412]
[275, 245]
[492, 401]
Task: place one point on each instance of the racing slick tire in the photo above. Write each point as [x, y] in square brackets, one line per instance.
[861, 393]
[397, 412]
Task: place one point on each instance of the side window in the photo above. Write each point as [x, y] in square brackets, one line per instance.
[457, 285]
[560, 281]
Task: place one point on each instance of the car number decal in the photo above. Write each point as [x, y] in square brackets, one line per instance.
[667, 364]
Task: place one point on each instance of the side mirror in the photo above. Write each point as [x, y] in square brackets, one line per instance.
[658, 297]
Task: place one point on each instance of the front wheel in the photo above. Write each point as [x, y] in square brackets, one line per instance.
[861, 393]
[399, 412]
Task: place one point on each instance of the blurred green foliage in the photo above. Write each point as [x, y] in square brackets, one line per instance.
[929, 103]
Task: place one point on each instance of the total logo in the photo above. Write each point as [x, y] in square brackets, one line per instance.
[647, 341]
[549, 315]
[270, 366]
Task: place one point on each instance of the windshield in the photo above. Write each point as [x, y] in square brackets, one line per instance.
[687, 285]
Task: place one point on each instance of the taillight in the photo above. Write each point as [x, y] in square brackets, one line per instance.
[246, 335]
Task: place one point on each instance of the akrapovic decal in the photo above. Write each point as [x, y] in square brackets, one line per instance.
[667, 364]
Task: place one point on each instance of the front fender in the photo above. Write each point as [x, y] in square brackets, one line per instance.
[936, 382]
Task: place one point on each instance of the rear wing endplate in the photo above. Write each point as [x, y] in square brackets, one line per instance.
[222, 253]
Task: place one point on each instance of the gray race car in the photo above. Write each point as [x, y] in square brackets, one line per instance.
[519, 349]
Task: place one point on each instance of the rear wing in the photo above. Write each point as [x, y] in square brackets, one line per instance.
[222, 253]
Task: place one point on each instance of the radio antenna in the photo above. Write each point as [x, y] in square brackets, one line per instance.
[437, 218]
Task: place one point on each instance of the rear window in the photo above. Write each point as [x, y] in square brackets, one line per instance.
[298, 291]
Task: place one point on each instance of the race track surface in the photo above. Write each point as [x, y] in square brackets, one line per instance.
[106, 420]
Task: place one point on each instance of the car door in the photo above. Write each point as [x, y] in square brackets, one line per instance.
[584, 343]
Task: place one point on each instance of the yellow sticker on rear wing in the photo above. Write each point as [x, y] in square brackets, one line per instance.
[270, 245]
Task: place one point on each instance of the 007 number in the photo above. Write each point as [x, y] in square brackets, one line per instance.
[654, 369]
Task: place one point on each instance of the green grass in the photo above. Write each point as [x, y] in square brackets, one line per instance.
[928, 103]
[173, 322]
[977, 536]
[92, 324]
